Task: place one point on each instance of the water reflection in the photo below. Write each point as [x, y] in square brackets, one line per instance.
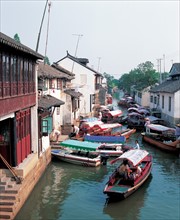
[129, 208]
[54, 188]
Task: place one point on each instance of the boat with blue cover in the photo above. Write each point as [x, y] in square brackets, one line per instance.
[105, 139]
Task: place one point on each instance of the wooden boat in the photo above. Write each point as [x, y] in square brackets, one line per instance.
[111, 116]
[126, 133]
[162, 137]
[87, 153]
[136, 120]
[118, 187]
[105, 139]
[105, 129]
[78, 152]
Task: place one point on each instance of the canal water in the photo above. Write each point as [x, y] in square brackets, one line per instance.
[71, 192]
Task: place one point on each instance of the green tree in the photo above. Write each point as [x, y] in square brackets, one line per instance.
[17, 38]
[141, 77]
[111, 82]
[46, 60]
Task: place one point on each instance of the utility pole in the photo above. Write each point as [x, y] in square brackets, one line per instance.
[164, 62]
[49, 4]
[159, 70]
[99, 58]
[37, 45]
[78, 35]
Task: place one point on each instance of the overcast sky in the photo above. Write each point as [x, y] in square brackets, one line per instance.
[117, 35]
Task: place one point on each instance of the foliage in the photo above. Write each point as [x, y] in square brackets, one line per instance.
[46, 60]
[111, 82]
[141, 77]
[17, 38]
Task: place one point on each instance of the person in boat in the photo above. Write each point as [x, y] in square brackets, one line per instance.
[124, 170]
[147, 122]
[136, 172]
[136, 145]
[74, 132]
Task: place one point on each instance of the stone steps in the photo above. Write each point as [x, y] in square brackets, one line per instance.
[8, 195]
[6, 215]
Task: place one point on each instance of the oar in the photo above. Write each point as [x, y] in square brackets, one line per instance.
[17, 178]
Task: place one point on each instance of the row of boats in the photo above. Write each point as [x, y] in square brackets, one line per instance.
[104, 140]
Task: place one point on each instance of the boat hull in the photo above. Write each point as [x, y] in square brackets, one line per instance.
[77, 160]
[118, 188]
[169, 147]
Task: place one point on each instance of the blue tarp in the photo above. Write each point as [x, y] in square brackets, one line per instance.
[105, 139]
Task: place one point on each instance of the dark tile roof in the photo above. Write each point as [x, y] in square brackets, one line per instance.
[169, 86]
[9, 42]
[175, 70]
[73, 93]
[44, 70]
[47, 101]
[81, 61]
[56, 66]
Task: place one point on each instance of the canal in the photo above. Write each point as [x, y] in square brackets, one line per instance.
[70, 192]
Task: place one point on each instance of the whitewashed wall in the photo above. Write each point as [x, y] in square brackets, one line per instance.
[84, 83]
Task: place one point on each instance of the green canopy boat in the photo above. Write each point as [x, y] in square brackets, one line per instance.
[80, 145]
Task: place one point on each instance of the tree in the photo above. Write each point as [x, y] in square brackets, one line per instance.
[46, 60]
[111, 82]
[141, 77]
[17, 38]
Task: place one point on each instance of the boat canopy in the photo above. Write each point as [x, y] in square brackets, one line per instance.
[91, 119]
[90, 124]
[161, 128]
[105, 139]
[115, 113]
[107, 126]
[80, 145]
[134, 156]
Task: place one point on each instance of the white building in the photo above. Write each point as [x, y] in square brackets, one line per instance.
[84, 82]
[166, 96]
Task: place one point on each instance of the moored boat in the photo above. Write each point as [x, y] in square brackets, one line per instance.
[105, 139]
[78, 152]
[119, 187]
[87, 153]
[161, 137]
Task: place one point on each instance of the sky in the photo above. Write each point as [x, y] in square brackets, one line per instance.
[115, 36]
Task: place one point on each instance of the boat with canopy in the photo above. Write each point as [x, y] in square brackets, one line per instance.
[120, 187]
[162, 137]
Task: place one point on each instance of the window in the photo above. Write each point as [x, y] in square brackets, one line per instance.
[45, 127]
[59, 84]
[83, 79]
[169, 104]
[163, 102]
[17, 75]
[151, 99]
[155, 100]
[58, 110]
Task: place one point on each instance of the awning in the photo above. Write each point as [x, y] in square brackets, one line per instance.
[73, 93]
[47, 101]
[134, 156]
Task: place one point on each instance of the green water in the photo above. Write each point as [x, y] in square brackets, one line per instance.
[72, 192]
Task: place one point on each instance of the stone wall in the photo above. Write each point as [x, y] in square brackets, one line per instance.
[31, 179]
